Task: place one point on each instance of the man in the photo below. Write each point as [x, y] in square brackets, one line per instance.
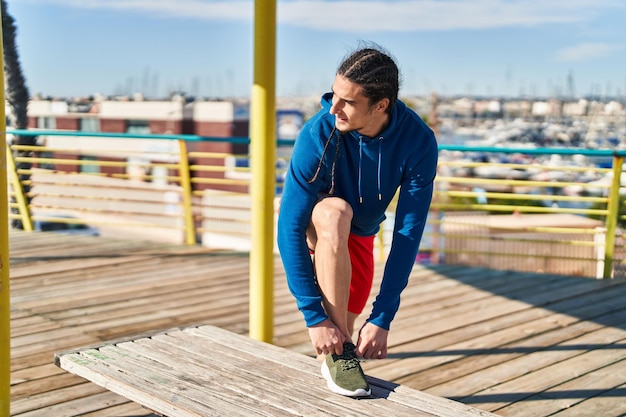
[347, 164]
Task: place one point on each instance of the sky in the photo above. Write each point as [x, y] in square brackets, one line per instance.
[205, 48]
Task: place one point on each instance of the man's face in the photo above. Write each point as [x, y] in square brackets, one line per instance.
[352, 109]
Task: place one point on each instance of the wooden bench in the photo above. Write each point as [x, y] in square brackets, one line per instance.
[207, 371]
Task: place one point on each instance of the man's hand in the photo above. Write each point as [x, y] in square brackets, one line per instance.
[372, 342]
[326, 338]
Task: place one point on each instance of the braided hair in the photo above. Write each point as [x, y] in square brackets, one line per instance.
[375, 71]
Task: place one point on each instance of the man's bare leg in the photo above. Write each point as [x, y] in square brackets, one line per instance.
[328, 237]
[351, 319]
[329, 233]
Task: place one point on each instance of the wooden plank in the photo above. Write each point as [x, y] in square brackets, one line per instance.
[127, 408]
[33, 373]
[72, 405]
[41, 385]
[40, 401]
[209, 371]
[573, 392]
[564, 364]
[51, 345]
[608, 403]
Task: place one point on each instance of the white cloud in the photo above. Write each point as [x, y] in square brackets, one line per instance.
[429, 15]
[199, 9]
[586, 51]
[372, 15]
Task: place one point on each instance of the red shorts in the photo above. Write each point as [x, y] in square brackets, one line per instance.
[361, 250]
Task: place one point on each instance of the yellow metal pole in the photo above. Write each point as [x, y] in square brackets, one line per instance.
[185, 183]
[20, 198]
[5, 307]
[611, 216]
[263, 159]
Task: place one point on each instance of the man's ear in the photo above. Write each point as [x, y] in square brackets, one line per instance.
[382, 105]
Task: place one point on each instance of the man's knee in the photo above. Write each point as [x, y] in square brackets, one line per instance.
[332, 215]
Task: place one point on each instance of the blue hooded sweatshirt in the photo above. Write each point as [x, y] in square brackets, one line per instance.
[367, 174]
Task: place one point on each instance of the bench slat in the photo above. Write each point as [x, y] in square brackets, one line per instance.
[248, 383]
[206, 371]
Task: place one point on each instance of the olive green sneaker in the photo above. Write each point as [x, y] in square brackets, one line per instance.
[344, 375]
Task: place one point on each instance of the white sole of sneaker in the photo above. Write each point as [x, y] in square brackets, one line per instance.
[337, 389]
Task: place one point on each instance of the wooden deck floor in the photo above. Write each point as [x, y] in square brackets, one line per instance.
[516, 344]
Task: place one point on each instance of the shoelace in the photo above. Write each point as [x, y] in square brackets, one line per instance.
[349, 357]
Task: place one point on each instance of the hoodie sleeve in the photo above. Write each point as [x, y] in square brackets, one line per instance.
[410, 218]
[296, 206]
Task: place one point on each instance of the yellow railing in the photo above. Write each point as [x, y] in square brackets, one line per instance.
[533, 216]
[109, 190]
[536, 216]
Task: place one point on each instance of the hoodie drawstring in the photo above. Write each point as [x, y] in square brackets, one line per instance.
[332, 171]
[380, 161]
[360, 163]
